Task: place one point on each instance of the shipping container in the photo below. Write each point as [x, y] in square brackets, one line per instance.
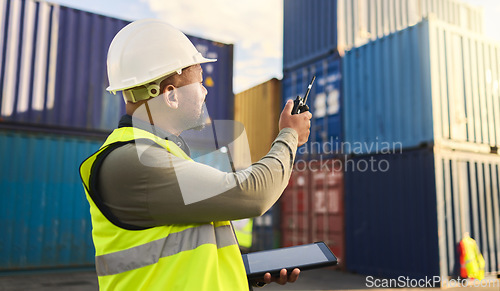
[258, 110]
[432, 83]
[53, 68]
[217, 77]
[312, 207]
[406, 213]
[325, 104]
[295, 205]
[215, 144]
[266, 230]
[43, 209]
[317, 28]
[207, 154]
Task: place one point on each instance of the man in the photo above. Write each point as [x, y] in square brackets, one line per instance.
[160, 220]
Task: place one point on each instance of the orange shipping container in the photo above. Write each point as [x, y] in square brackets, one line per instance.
[258, 109]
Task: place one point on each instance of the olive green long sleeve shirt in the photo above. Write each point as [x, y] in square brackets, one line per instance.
[147, 186]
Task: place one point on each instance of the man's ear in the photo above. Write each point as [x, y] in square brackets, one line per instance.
[170, 96]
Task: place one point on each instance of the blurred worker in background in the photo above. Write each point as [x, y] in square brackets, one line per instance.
[160, 220]
[243, 230]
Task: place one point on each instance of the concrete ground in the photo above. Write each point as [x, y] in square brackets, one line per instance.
[327, 279]
[86, 280]
[71, 280]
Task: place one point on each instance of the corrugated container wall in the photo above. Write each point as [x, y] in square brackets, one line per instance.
[266, 230]
[53, 67]
[468, 200]
[217, 77]
[415, 206]
[325, 104]
[43, 211]
[295, 209]
[428, 84]
[258, 110]
[312, 206]
[314, 29]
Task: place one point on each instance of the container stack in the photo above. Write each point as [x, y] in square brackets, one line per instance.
[311, 207]
[421, 107]
[55, 112]
[318, 28]
[266, 230]
[257, 111]
[53, 68]
[391, 83]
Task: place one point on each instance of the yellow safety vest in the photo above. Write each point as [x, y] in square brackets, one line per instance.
[243, 230]
[474, 261]
[202, 256]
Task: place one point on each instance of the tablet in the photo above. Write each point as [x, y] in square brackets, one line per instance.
[304, 257]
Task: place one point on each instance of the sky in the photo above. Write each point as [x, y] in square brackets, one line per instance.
[254, 27]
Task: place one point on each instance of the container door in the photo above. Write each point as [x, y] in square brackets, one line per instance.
[295, 209]
[327, 215]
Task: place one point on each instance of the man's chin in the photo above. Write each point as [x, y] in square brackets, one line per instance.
[201, 122]
[199, 127]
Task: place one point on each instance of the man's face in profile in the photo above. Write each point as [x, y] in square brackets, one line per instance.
[192, 98]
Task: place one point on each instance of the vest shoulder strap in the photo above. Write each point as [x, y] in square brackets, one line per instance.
[89, 169]
[132, 133]
[93, 186]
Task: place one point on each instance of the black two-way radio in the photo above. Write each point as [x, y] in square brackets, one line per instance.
[299, 104]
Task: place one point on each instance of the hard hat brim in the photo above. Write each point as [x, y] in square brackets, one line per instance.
[200, 60]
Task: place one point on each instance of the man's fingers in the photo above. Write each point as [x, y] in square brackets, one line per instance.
[294, 275]
[307, 114]
[267, 278]
[283, 277]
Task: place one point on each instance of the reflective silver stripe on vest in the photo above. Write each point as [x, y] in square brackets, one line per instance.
[149, 253]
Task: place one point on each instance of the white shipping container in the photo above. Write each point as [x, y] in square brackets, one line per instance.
[432, 83]
[315, 28]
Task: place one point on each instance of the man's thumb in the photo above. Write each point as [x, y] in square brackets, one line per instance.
[288, 107]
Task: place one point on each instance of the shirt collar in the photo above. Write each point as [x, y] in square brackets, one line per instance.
[128, 121]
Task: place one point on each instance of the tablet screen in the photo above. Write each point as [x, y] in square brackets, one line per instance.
[285, 258]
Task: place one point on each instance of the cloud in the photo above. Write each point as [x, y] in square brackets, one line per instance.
[255, 71]
[254, 27]
[225, 20]
[123, 9]
[243, 64]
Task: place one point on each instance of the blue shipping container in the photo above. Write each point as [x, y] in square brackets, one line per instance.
[428, 84]
[316, 28]
[407, 212]
[218, 77]
[266, 230]
[324, 101]
[43, 210]
[53, 68]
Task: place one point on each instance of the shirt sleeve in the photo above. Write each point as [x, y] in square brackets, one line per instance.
[151, 187]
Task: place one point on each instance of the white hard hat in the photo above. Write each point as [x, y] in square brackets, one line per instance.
[147, 50]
